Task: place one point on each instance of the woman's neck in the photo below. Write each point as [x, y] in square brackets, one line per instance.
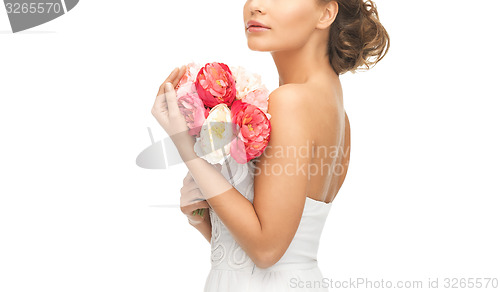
[298, 65]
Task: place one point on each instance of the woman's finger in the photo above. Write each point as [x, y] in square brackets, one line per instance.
[191, 196]
[170, 95]
[160, 106]
[173, 78]
[181, 73]
[200, 205]
[173, 75]
[188, 209]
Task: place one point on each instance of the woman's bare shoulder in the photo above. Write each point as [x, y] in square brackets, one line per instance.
[308, 97]
[294, 93]
[292, 103]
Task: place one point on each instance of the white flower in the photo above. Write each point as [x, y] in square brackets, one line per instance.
[245, 81]
[216, 134]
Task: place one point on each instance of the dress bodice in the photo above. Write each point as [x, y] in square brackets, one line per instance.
[226, 254]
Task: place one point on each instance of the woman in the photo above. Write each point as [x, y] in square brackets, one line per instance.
[264, 229]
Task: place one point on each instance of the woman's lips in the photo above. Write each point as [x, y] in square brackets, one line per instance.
[255, 26]
[257, 29]
[255, 23]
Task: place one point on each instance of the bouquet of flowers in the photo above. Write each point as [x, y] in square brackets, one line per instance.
[226, 110]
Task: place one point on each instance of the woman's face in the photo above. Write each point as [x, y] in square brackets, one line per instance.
[290, 23]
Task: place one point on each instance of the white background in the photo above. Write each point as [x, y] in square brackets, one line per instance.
[420, 200]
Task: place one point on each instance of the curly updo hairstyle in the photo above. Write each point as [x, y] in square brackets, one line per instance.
[357, 39]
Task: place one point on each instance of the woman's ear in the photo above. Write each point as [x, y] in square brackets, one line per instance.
[330, 11]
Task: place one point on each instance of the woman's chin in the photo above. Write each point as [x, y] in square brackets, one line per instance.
[254, 46]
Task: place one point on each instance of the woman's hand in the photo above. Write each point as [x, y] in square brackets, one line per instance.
[192, 199]
[166, 111]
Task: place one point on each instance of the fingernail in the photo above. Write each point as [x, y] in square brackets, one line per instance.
[168, 86]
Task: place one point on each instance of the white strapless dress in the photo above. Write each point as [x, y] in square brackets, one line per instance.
[233, 271]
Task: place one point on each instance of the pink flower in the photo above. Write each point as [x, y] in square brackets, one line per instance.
[215, 84]
[252, 129]
[258, 97]
[189, 76]
[191, 106]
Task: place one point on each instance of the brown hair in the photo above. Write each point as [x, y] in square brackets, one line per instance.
[357, 39]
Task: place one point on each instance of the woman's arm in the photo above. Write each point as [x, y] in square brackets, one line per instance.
[266, 228]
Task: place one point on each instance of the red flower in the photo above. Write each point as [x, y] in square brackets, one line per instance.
[252, 129]
[215, 84]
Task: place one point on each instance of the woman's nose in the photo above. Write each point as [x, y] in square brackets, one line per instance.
[255, 6]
